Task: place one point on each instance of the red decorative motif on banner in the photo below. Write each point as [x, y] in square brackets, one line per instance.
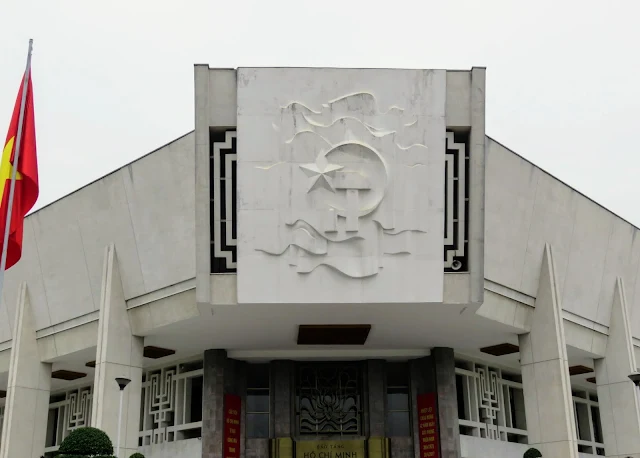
[428, 426]
[232, 408]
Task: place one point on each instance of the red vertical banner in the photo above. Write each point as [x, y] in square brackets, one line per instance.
[232, 409]
[428, 426]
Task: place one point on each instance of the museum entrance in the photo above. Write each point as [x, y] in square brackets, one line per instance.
[329, 400]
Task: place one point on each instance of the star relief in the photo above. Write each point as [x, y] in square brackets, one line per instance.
[320, 173]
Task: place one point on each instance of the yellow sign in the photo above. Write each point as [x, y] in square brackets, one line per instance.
[330, 449]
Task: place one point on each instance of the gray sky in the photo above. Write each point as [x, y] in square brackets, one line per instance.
[114, 80]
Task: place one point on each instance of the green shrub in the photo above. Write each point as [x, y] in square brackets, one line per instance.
[86, 442]
[137, 455]
[532, 453]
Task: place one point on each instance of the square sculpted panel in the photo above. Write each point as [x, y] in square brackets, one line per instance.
[340, 185]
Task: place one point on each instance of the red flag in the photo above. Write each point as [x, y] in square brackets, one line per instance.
[26, 188]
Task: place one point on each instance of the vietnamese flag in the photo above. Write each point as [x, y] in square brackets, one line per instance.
[26, 187]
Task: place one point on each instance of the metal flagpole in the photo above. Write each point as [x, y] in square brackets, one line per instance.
[14, 171]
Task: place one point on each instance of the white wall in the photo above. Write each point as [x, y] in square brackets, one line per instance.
[146, 208]
[190, 448]
[474, 447]
[526, 207]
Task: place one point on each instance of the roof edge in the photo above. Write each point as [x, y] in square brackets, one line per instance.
[110, 173]
[563, 182]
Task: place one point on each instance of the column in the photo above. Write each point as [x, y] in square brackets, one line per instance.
[445, 378]
[213, 403]
[119, 354]
[376, 393]
[422, 380]
[28, 389]
[282, 375]
[617, 395]
[378, 444]
[545, 373]
[436, 373]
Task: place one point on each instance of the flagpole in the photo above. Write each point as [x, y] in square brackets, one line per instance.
[14, 169]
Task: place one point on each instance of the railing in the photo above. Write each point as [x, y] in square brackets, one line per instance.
[490, 403]
[68, 411]
[588, 427]
[171, 403]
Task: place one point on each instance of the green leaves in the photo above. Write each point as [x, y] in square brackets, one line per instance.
[86, 442]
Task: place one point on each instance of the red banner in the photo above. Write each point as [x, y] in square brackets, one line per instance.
[428, 426]
[232, 409]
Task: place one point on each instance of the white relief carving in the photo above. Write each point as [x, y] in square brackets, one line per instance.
[348, 180]
[340, 192]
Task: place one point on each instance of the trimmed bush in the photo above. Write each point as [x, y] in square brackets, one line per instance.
[532, 453]
[137, 455]
[86, 442]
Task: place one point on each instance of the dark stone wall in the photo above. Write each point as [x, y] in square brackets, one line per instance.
[221, 375]
[376, 398]
[449, 429]
[436, 373]
[257, 448]
[212, 403]
[282, 379]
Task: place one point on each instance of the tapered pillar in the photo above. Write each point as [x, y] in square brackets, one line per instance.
[28, 389]
[545, 372]
[617, 395]
[119, 354]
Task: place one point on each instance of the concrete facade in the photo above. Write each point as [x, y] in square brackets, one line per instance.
[161, 282]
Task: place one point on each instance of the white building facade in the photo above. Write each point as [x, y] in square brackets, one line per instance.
[336, 263]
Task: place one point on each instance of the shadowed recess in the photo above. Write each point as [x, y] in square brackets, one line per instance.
[333, 334]
[501, 349]
[578, 370]
[157, 352]
[67, 375]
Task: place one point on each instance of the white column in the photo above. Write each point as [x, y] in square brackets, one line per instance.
[545, 372]
[617, 395]
[28, 389]
[119, 354]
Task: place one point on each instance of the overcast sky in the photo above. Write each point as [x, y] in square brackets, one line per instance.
[113, 80]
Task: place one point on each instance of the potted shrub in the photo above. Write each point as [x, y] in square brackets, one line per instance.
[137, 455]
[86, 443]
[532, 453]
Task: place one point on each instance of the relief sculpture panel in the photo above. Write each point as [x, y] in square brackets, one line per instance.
[340, 185]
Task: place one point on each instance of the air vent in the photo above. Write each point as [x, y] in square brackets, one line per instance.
[578, 370]
[67, 375]
[91, 364]
[333, 334]
[501, 349]
[157, 352]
